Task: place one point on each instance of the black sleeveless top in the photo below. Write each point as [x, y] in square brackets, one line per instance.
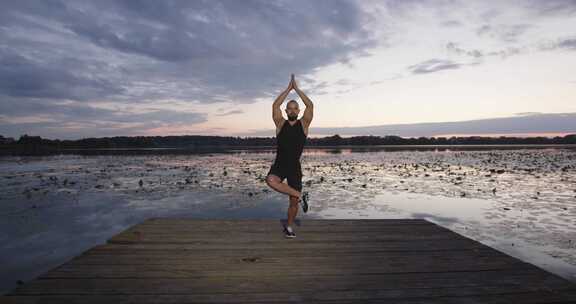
[290, 143]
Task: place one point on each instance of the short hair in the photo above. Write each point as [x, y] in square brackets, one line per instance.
[292, 100]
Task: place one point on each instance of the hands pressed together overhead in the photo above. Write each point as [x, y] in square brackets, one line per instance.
[292, 84]
[308, 112]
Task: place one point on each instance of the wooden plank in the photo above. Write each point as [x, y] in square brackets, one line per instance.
[266, 230]
[234, 257]
[391, 245]
[278, 244]
[322, 296]
[273, 283]
[314, 266]
[197, 253]
[306, 222]
[331, 261]
[210, 291]
[275, 227]
[278, 237]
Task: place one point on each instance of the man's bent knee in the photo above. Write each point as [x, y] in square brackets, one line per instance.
[272, 179]
[293, 200]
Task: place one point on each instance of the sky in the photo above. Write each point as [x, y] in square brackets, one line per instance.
[77, 69]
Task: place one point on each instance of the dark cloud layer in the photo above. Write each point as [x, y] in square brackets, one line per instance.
[228, 48]
[80, 120]
[23, 77]
[526, 122]
[552, 7]
[131, 51]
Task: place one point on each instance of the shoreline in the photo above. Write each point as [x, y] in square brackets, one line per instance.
[7, 152]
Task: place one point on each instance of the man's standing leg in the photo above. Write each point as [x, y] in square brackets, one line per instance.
[292, 210]
[295, 181]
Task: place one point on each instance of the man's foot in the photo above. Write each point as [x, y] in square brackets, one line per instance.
[288, 232]
[304, 201]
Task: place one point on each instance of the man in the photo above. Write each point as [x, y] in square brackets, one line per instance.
[290, 138]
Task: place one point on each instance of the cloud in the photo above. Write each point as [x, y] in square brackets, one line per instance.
[206, 51]
[561, 43]
[83, 112]
[565, 43]
[433, 65]
[503, 32]
[568, 43]
[451, 23]
[454, 48]
[528, 123]
[230, 113]
[130, 53]
[552, 7]
[186, 52]
[76, 119]
[21, 76]
[528, 113]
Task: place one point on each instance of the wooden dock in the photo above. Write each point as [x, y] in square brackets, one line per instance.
[166, 260]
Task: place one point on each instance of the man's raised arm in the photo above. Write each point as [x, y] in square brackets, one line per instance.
[276, 112]
[309, 112]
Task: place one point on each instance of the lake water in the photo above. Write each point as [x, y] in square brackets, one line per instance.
[520, 200]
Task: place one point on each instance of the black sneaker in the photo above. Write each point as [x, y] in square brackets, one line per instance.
[289, 234]
[304, 201]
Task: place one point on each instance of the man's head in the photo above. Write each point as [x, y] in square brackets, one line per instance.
[292, 110]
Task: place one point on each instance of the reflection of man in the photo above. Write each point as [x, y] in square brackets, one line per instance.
[290, 139]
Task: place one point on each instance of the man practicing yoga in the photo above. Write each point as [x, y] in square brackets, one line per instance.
[290, 139]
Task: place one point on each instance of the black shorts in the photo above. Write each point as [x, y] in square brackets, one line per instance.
[293, 174]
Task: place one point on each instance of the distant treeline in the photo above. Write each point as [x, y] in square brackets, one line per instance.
[27, 143]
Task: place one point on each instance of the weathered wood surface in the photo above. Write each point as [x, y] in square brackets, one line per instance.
[333, 261]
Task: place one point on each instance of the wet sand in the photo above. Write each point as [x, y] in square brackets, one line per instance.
[521, 202]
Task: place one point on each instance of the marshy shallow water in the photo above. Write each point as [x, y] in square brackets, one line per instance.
[521, 201]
